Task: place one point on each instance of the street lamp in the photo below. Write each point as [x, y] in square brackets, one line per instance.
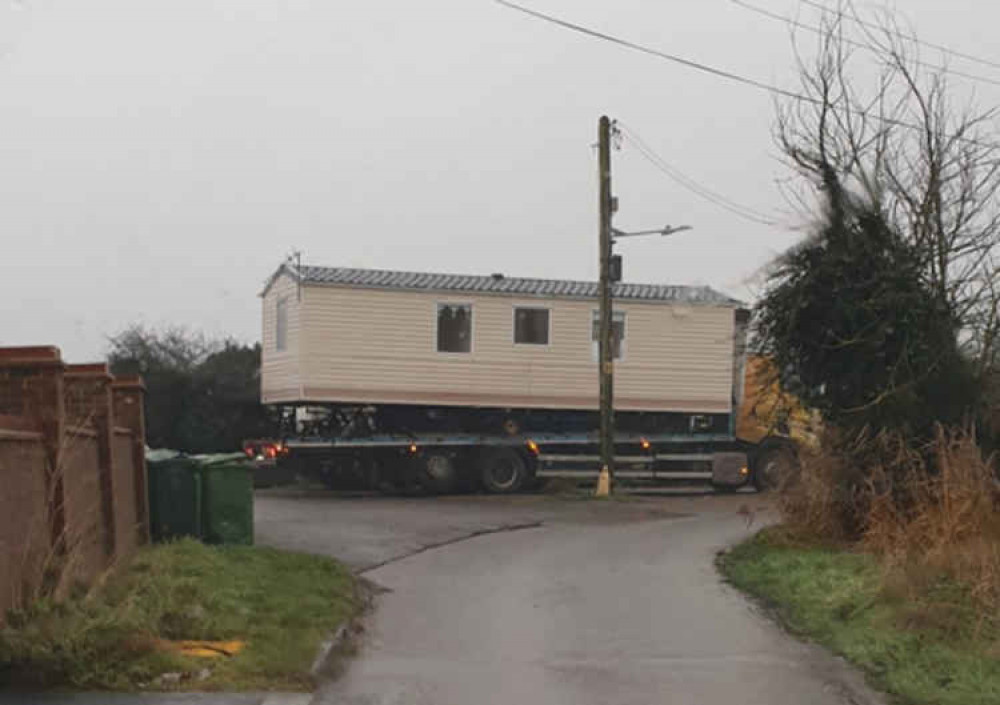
[666, 230]
[615, 261]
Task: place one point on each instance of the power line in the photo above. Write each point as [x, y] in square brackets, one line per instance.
[721, 73]
[692, 185]
[873, 25]
[820, 31]
[663, 55]
[704, 192]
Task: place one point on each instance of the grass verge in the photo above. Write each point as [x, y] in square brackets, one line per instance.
[281, 604]
[930, 648]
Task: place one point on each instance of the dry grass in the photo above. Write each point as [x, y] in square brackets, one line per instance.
[940, 518]
[928, 513]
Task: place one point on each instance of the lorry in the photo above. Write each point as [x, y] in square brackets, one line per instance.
[451, 381]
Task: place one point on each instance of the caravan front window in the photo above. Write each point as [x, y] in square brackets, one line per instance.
[281, 323]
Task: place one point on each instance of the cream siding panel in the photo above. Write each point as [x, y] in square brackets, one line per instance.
[380, 346]
[280, 369]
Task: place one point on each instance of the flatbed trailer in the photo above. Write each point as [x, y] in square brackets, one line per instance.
[441, 462]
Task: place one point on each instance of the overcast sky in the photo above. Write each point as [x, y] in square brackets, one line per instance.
[159, 159]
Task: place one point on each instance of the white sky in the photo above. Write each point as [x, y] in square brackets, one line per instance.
[158, 159]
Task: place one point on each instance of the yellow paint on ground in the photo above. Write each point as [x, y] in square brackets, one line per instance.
[205, 649]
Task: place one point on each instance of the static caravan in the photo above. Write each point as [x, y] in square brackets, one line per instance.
[492, 352]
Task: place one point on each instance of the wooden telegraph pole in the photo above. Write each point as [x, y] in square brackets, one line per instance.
[605, 367]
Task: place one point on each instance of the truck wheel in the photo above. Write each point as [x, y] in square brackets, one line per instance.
[774, 467]
[503, 471]
[439, 473]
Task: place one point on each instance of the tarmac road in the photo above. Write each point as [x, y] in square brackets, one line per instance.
[562, 601]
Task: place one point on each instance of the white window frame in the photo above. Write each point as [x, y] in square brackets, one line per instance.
[595, 345]
[472, 326]
[513, 326]
[281, 323]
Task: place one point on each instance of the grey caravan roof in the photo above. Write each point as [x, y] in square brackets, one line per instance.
[503, 285]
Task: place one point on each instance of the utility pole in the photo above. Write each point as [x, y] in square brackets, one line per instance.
[608, 275]
[605, 368]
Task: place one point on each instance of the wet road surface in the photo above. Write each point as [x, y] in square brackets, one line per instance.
[574, 602]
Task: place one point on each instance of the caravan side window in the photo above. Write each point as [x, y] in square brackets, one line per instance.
[454, 328]
[531, 325]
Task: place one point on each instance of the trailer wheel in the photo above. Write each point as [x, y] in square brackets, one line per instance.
[774, 466]
[503, 471]
[439, 473]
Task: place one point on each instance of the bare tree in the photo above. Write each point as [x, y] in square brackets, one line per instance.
[877, 120]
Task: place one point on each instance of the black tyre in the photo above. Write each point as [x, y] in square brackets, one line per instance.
[503, 471]
[440, 473]
[774, 467]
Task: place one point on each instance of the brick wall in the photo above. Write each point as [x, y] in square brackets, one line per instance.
[24, 522]
[73, 471]
[86, 535]
[128, 519]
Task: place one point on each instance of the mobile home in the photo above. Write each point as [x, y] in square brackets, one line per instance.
[389, 355]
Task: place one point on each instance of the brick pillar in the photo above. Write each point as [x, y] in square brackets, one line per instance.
[31, 386]
[128, 392]
[88, 403]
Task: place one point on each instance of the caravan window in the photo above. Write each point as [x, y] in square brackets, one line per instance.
[531, 326]
[454, 328]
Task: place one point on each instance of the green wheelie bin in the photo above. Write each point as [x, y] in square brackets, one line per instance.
[175, 499]
[227, 503]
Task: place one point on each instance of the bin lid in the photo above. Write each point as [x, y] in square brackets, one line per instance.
[218, 458]
[158, 455]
